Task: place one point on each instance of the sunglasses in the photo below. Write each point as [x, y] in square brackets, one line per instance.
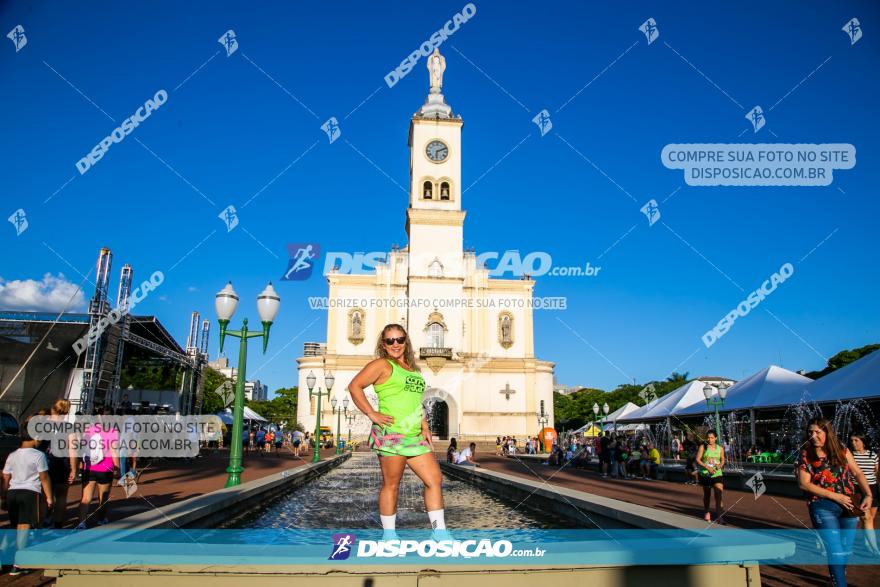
[398, 340]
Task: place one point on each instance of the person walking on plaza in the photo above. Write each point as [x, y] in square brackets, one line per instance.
[676, 447]
[621, 455]
[400, 435]
[710, 463]
[867, 461]
[99, 462]
[605, 453]
[828, 475]
[297, 440]
[62, 468]
[25, 473]
[690, 463]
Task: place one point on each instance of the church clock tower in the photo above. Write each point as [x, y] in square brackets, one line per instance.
[434, 217]
[435, 220]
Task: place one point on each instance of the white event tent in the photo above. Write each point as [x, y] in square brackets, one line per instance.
[685, 396]
[858, 380]
[612, 418]
[249, 414]
[771, 386]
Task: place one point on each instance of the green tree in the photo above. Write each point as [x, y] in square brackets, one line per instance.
[211, 400]
[281, 408]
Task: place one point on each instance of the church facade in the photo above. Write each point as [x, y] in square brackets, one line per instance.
[472, 335]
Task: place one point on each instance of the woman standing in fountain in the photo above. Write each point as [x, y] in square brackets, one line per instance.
[710, 463]
[827, 474]
[400, 434]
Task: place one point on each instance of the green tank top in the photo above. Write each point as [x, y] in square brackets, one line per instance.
[401, 398]
[712, 457]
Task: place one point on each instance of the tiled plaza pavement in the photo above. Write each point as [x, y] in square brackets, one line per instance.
[164, 482]
[741, 510]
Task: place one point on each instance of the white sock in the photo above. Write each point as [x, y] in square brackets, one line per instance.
[437, 520]
[388, 521]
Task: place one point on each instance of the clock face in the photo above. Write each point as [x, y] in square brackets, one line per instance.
[437, 151]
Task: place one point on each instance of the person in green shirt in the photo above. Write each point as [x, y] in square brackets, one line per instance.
[400, 435]
[710, 462]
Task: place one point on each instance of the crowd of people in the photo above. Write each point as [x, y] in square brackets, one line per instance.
[508, 445]
[839, 479]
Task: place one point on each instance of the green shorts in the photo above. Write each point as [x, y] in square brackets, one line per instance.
[396, 444]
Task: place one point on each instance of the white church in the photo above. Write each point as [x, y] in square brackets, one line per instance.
[473, 336]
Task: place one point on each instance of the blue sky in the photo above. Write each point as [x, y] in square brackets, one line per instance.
[614, 100]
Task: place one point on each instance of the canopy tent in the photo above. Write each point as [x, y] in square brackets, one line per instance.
[634, 415]
[249, 414]
[860, 379]
[623, 410]
[626, 427]
[770, 386]
[683, 397]
[588, 430]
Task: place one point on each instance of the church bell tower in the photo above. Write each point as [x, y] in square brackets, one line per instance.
[434, 218]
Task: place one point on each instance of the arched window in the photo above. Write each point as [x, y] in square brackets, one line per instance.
[435, 269]
[444, 190]
[435, 335]
[428, 190]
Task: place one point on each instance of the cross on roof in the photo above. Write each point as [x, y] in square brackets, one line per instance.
[507, 391]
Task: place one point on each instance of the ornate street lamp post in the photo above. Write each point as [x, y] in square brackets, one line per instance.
[716, 403]
[310, 381]
[338, 413]
[542, 423]
[225, 303]
[350, 418]
[596, 416]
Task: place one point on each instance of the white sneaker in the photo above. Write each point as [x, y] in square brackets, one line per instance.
[389, 535]
[440, 535]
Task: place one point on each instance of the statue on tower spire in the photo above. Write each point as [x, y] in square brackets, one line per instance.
[435, 106]
[436, 67]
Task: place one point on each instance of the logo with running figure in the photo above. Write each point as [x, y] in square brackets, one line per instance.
[650, 30]
[342, 547]
[18, 38]
[756, 117]
[229, 41]
[302, 260]
[853, 29]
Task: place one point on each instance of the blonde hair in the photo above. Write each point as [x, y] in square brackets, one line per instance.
[408, 354]
[61, 407]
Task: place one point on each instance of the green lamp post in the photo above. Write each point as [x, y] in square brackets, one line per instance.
[715, 403]
[349, 417]
[225, 303]
[310, 382]
[542, 423]
[338, 413]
